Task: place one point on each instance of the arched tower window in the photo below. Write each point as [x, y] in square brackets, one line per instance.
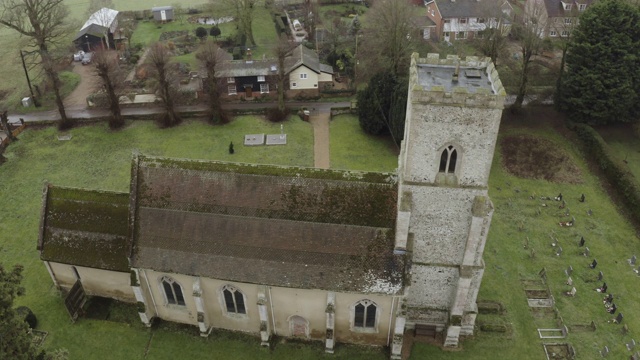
[448, 160]
[172, 291]
[233, 300]
[365, 313]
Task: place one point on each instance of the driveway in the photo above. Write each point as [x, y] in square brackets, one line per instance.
[77, 100]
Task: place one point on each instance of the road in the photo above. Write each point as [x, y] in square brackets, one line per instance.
[142, 111]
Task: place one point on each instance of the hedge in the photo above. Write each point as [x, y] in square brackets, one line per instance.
[624, 183]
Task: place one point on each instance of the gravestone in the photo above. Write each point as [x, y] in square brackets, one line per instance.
[600, 276]
[604, 352]
[570, 281]
[581, 244]
[632, 261]
[571, 293]
[589, 212]
[279, 139]
[635, 356]
[631, 345]
[586, 251]
[618, 318]
[559, 251]
[608, 299]
[582, 198]
[593, 264]
[254, 139]
[637, 271]
[569, 271]
[625, 329]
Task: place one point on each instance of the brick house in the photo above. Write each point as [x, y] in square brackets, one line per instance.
[559, 17]
[464, 19]
[248, 78]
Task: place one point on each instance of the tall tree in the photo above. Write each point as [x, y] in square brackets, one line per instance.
[280, 51]
[382, 105]
[493, 40]
[112, 78]
[602, 81]
[210, 58]
[43, 22]
[387, 37]
[160, 60]
[243, 13]
[530, 33]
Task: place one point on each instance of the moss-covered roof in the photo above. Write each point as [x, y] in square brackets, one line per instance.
[86, 228]
[281, 226]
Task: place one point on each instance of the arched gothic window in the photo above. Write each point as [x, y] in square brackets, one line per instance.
[172, 291]
[233, 300]
[448, 160]
[365, 314]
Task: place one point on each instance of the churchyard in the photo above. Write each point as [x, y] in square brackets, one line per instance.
[518, 249]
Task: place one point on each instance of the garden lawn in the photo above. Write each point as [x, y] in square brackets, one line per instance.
[608, 235]
[625, 144]
[351, 148]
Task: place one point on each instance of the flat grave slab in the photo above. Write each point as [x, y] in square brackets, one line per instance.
[540, 302]
[254, 139]
[277, 139]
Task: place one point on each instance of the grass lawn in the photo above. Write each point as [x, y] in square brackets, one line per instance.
[625, 143]
[351, 148]
[608, 235]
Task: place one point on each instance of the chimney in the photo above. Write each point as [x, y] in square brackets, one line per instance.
[249, 58]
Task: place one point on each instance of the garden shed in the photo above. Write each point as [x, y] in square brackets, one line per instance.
[162, 13]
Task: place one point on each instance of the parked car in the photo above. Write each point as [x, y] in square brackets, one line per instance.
[78, 56]
[86, 59]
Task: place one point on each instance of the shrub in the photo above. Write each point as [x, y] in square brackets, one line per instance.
[201, 32]
[275, 115]
[623, 182]
[28, 316]
[215, 31]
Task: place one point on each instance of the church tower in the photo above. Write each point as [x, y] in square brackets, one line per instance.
[444, 212]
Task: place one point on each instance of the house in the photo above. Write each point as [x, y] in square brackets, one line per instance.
[465, 19]
[305, 72]
[558, 17]
[99, 31]
[318, 254]
[248, 78]
[162, 13]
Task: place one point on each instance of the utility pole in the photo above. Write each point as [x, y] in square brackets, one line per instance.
[26, 73]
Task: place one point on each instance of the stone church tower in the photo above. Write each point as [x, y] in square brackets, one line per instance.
[444, 212]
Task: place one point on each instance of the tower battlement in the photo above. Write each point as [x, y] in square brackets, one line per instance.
[452, 81]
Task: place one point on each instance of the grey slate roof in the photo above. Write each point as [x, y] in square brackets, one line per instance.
[463, 8]
[85, 228]
[280, 226]
[241, 68]
[93, 29]
[302, 55]
[555, 9]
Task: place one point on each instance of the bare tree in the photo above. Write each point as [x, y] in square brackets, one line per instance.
[112, 78]
[280, 51]
[387, 37]
[243, 13]
[160, 60]
[43, 22]
[493, 39]
[210, 57]
[530, 32]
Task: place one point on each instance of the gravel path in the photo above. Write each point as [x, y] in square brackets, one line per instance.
[78, 97]
[320, 121]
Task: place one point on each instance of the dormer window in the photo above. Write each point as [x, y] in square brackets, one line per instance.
[566, 6]
[582, 7]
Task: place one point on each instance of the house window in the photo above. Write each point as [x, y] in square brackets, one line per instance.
[303, 76]
[582, 7]
[461, 35]
[294, 85]
[232, 90]
[553, 33]
[567, 20]
[447, 21]
[448, 160]
[260, 78]
[446, 34]
[264, 88]
[481, 20]
[364, 315]
[172, 291]
[231, 80]
[564, 33]
[233, 300]
[566, 6]
[463, 20]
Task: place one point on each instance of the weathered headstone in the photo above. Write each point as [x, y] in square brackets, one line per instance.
[631, 345]
[559, 251]
[582, 198]
[593, 264]
[570, 281]
[625, 329]
[608, 299]
[618, 318]
[586, 251]
[635, 356]
[632, 261]
[572, 292]
[581, 244]
[589, 212]
[604, 352]
[569, 270]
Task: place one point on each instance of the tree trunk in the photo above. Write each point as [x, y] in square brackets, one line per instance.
[5, 125]
[47, 63]
[114, 105]
[524, 80]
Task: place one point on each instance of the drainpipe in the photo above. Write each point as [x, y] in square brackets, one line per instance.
[273, 317]
[393, 300]
[153, 300]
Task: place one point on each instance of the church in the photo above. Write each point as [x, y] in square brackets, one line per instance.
[327, 255]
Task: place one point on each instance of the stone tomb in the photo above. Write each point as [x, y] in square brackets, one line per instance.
[254, 139]
[277, 139]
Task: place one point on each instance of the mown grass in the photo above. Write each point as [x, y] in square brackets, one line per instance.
[351, 148]
[608, 235]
